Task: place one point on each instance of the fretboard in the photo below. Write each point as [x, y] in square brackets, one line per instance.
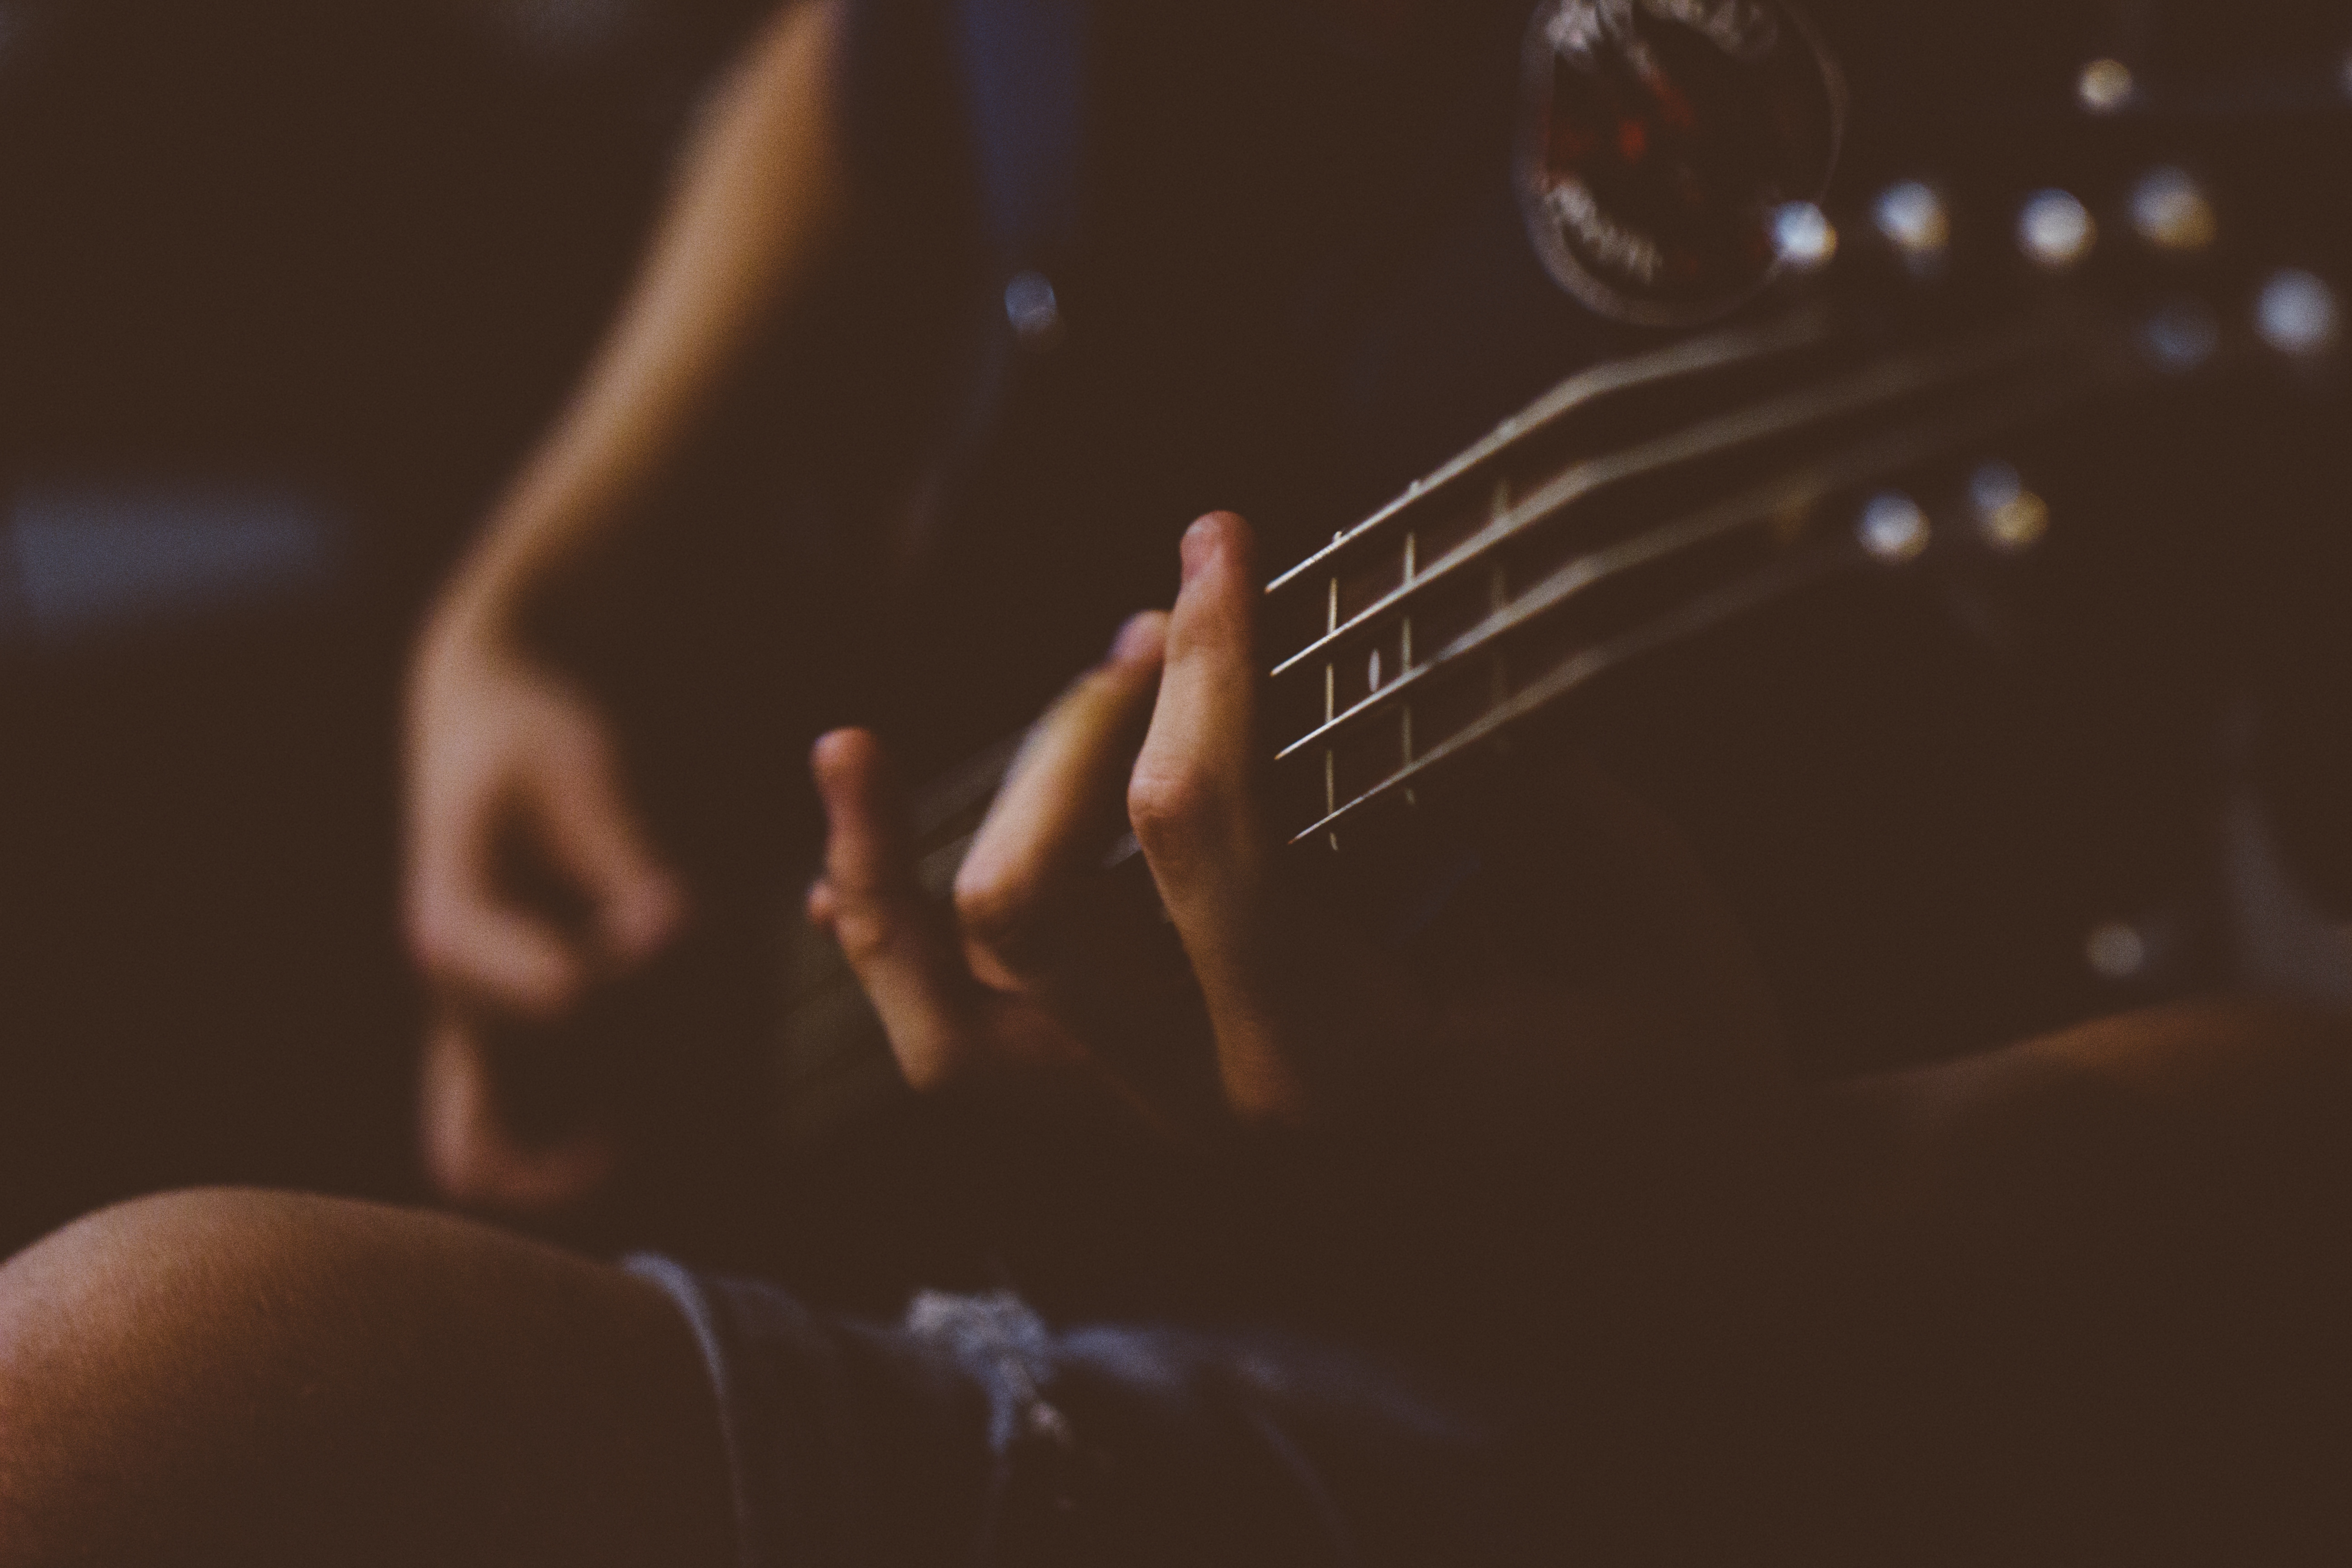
[1640, 504]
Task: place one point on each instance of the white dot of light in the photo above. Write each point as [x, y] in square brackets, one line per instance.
[1893, 528]
[1912, 218]
[1035, 310]
[2115, 951]
[2170, 211]
[2105, 86]
[2296, 314]
[1803, 236]
[2055, 231]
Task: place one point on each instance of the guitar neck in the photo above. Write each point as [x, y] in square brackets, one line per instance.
[1881, 413]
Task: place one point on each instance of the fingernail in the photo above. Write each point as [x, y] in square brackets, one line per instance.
[1199, 547]
[825, 765]
[1140, 638]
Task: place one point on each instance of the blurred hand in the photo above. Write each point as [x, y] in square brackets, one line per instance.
[1002, 980]
[530, 883]
[474, 1154]
[528, 877]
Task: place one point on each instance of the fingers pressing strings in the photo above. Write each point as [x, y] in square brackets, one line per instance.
[1029, 949]
[1044, 919]
[1288, 996]
[1036, 964]
[1027, 888]
[900, 944]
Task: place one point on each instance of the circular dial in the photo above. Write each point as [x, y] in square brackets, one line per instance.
[1661, 137]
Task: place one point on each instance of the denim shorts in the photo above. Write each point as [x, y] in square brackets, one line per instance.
[972, 1433]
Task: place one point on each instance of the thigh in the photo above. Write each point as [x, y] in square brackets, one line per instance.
[264, 1378]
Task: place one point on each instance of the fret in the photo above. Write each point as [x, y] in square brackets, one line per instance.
[1629, 506]
[1689, 620]
[1570, 408]
[1498, 599]
[1330, 711]
[1699, 558]
[1679, 462]
[1404, 660]
[1578, 514]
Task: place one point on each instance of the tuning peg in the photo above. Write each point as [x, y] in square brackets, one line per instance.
[1893, 528]
[1912, 218]
[2009, 517]
[2296, 314]
[1804, 237]
[2055, 231]
[2170, 211]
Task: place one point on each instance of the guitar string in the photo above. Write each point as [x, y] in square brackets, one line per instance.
[1913, 375]
[1761, 503]
[1691, 616]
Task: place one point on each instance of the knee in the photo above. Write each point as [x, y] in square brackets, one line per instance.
[118, 1284]
[128, 1349]
[280, 1378]
[151, 1279]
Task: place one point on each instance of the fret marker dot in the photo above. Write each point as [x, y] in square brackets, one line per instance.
[2055, 231]
[1893, 528]
[1372, 671]
[2105, 86]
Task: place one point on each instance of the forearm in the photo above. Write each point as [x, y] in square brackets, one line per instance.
[2222, 1094]
[760, 206]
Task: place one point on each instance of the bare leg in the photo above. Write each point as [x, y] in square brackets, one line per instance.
[262, 1379]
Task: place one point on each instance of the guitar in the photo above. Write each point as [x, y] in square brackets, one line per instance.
[1890, 407]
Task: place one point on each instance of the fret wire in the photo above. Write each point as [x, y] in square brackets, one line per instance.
[1850, 469]
[1938, 368]
[1498, 598]
[1331, 708]
[1694, 616]
[1404, 658]
[1807, 327]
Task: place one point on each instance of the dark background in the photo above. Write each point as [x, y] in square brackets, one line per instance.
[285, 292]
[286, 289]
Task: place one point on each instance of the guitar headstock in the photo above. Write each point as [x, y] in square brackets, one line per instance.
[1928, 350]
